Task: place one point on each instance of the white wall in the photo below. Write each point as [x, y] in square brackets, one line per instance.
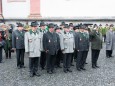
[77, 8]
[62, 8]
[16, 9]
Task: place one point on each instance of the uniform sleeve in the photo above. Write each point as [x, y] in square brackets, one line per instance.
[26, 42]
[77, 41]
[45, 42]
[107, 38]
[61, 42]
[13, 40]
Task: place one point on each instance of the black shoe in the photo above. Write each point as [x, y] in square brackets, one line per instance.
[31, 74]
[37, 74]
[78, 69]
[53, 71]
[97, 66]
[83, 68]
[42, 68]
[18, 67]
[107, 56]
[59, 66]
[72, 64]
[86, 63]
[110, 56]
[23, 67]
[50, 72]
[93, 67]
[69, 70]
[65, 71]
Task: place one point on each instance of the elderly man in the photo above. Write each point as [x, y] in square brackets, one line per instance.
[32, 47]
[51, 46]
[18, 45]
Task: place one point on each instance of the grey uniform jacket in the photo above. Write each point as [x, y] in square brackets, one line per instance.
[33, 44]
[18, 39]
[67, 43]
[110, 40]
[42, 33]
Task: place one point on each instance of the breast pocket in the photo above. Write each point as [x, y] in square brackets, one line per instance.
[31, 45]
[66, 43]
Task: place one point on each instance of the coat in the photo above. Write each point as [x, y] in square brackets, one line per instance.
[96, 40]
[8, 42]
[18, 39]
[33, 44]
[41, 33]
[51, 43]
[110, 40]
[82, 41]
[67, 43]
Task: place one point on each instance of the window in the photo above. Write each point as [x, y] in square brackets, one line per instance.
[16, 0]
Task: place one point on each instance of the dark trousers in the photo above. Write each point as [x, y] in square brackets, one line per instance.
[58, 58]
[50, 62]
[20, 57]
[72, 57]
[67, 60]
[104, 38]
[0, 54]
[75, 54]
[43, 60]
[109, 53]
[8, 53]
[95, 55]
[33, 64]
[81, 59]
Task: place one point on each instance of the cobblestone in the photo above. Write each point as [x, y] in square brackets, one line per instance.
[104, 76]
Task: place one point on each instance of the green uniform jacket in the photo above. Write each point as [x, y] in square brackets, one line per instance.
[8, 42]
[104, 30]
[96, 40]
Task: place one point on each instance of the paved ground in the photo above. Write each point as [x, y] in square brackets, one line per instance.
[104, 76]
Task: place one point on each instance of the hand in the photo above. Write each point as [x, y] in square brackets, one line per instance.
[27, 52]
[62, 50]
[14, 49]
[47, 51]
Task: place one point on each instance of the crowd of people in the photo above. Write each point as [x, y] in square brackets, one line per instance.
[48, 45]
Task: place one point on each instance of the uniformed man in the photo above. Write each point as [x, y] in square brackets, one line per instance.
[72, 32]
[110, 42]
[82, 47]
[33, 48]
[96, 46]
[76, 30]
[103, 31]
[42, 30]
[2, 43]
[67, 47]
[51, 46]
[59, 55]
[18, 45]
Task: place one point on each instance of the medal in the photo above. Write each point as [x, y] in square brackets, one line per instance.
[30, 40]
[17, 38]
[49, 41]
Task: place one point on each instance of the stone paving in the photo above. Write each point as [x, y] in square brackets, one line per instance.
[104, 76]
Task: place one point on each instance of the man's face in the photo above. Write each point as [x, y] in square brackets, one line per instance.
[81, 30]
[66, 29]
[20, 28]
[58, 30]
[77, 30]
[51, 29]
[43, 27]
